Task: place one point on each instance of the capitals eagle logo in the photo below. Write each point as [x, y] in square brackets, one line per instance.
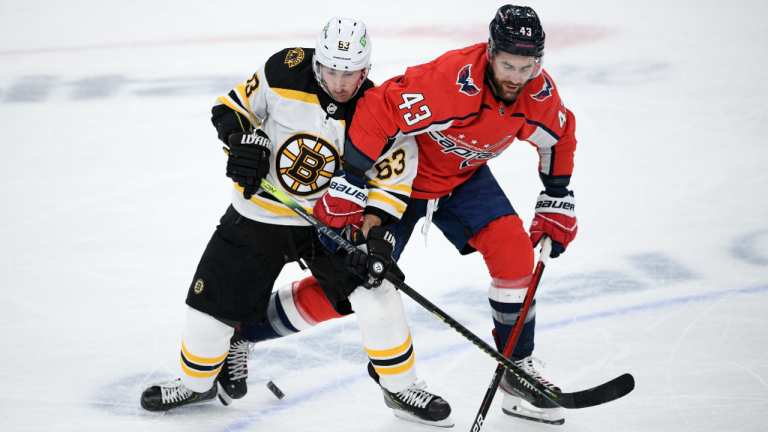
[545, 92]
[468, 86]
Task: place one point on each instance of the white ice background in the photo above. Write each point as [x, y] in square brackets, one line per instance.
[112, 181]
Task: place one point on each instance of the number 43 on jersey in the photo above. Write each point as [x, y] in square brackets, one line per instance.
[409, 100]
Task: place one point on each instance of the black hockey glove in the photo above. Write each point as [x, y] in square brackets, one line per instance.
[248, 161]
[371, 267]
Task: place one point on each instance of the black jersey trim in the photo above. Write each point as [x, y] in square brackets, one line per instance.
[415, 131]
[535, 123]
[554, 181]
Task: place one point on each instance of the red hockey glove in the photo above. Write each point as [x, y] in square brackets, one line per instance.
[344, 201]
[555, 217]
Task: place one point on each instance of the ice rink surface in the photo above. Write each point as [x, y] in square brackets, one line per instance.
[112, 181]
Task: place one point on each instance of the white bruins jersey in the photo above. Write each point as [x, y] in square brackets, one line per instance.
[307, 129]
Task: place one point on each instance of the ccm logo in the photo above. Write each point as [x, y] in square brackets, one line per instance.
[555, 204]
[348, 190]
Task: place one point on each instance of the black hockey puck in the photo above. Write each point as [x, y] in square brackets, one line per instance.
[276, 391]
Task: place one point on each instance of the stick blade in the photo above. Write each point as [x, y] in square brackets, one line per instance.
[607, 392]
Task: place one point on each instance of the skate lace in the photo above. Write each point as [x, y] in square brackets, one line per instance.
[172, 390]
[415, 395]
[431, 208]
[239, 354]
[526, 365]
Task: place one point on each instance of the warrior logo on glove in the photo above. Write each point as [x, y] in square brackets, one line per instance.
[248, 161]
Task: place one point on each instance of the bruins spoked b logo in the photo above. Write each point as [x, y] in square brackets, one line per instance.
[306, 164]
[199, 285]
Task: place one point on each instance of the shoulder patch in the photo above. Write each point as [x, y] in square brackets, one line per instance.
[291, 69]
[294, 57]
[546, 90]
[467, 84]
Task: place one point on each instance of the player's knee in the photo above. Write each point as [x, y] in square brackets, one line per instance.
[311, 298]
[505, 247]
[377, 307]
[202, 326]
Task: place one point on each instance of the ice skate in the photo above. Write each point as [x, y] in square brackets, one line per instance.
[231, 379]
[416, 404]
[521, 400]
[165, 395]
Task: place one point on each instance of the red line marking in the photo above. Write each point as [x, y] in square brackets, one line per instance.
[558, 37]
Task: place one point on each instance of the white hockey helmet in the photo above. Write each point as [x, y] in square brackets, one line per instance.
[344, 44]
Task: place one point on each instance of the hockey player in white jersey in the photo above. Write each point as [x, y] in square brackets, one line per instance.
[287, 124]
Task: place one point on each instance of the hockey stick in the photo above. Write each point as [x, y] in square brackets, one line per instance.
[546, 248]
[614, 389]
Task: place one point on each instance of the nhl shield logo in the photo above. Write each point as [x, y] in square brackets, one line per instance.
[294, 57]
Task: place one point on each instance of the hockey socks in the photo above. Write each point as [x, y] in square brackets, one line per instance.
[386, 336]
[506, 298]
[292, 308]
[204, 348]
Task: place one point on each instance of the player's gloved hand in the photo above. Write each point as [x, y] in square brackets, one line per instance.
[248, 161]
[379, 247]
[342, 204]
[555, 217]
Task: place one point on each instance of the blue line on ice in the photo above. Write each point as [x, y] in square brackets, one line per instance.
[293, 401]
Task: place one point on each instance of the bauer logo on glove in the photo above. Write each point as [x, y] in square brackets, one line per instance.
[344, 202]
[340, 188]
[555, 217]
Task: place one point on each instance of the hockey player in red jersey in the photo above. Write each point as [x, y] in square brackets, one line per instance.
[465, 108]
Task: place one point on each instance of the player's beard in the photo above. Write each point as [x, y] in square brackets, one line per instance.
[502, 92]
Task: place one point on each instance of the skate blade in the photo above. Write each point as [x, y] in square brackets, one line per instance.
[534, 416]
[223, 396]
[517, 407]
[445, 423]
[535, 419]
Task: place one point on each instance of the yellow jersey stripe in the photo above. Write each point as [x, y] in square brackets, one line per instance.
[298, 95]
[196, 374]
[378, 196]
[225, 100]
[202, 360]
[396, 370]
[244, 98]
[390, 352]
[272, 207]
[402, 188]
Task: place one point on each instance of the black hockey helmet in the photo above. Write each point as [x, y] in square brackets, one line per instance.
[516, 30]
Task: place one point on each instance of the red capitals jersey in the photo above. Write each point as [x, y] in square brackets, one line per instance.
[459, 123]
